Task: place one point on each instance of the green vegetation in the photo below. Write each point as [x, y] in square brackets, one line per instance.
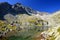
[58, 30]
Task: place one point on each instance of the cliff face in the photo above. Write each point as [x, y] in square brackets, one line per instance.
[4, 9]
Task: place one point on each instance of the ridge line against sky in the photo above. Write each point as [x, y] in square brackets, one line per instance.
[40, 5]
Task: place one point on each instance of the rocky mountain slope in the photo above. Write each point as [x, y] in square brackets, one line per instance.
[18, 22]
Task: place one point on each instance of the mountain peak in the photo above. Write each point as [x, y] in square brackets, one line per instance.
[18, 3]
[17, 8]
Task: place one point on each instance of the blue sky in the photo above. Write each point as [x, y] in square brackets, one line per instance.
[40, 5]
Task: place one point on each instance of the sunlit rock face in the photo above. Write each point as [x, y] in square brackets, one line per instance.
[10, 18]
[54, 30]
[56, 17]
[25, 26]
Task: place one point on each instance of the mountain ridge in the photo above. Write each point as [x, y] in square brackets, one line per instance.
[17, 8]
